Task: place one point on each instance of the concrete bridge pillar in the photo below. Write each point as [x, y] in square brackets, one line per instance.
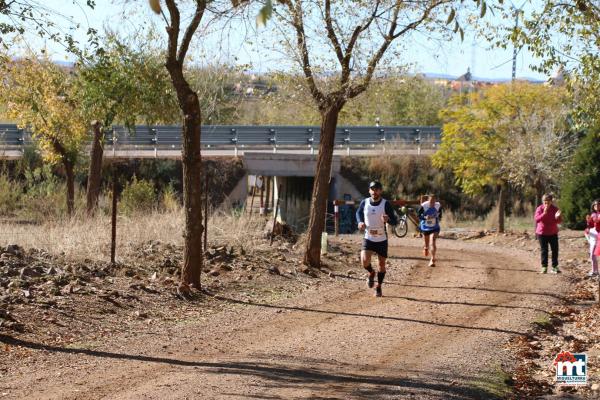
[295, 173]
[294, 206]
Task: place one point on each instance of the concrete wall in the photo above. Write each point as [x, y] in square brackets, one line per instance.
[294, 206]
[239, 194]
[342, 186]
[295, 173]
[281, 164]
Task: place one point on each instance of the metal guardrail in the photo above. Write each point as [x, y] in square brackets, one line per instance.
[235, 137]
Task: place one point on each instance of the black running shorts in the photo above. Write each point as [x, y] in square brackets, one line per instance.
[381, 248]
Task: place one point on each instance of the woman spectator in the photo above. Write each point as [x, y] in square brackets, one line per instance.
[547, 218]
[591, 234]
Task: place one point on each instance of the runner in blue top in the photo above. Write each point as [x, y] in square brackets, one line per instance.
[372, 215]
[430, 214]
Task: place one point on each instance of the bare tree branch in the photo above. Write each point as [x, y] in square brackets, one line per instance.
[331, 33]
[298, 23]
[391, 36]
[172, 30]
[191, 29]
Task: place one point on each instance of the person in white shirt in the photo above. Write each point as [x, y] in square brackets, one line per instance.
[372, 215]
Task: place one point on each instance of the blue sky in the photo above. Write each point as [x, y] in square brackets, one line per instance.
[452, 58]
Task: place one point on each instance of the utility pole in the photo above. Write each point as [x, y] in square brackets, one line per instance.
[517, 11]
[514, 63]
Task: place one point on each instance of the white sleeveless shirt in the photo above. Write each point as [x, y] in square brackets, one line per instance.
[375, 231]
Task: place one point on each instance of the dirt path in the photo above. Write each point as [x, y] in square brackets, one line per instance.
[438, 333]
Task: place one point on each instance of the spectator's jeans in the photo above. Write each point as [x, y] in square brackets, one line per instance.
[551, 240]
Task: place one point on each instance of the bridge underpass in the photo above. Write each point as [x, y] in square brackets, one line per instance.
[294, 173]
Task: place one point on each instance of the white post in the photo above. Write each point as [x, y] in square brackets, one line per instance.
[276, 194]
[155, 143]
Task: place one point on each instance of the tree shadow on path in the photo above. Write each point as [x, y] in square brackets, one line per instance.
[484, 289]
[461, 303]
[547, 294]
[363, 315]
[281, 376]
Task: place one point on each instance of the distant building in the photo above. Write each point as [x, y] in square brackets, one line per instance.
[558, 78]
[467, 81]
[256, 87]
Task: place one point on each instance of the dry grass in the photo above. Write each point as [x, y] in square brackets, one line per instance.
[452, 220]
[489, 222]
[89, 238]
[449, 219]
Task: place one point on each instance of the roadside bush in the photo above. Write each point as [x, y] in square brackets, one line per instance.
[138, 196]
[30, 160]
[34, 192]
[223, 174]
[169, 199]
[581, 183]
[10, 194]
[44, 195]
[409, 177]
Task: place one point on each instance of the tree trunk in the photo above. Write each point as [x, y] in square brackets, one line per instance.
[501, 208]
[267, 194]
[192, 194]
[113, 220]
[192, 178]
[539, 192]
[69, 167]
[95, 171]
[312, 255]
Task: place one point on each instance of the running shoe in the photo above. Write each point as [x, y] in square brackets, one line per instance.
[378, 292]
[544, 270]
[555, 270]
[371, 280]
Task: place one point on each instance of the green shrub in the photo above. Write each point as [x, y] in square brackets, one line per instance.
[44, 195]
[408, 177]
[169, 199]
[581, 184]
[41, 181]
[30, 160]
[138, 196]
[10, 194]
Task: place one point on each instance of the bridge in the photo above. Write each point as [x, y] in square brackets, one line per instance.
[284, 155]
[234, 140]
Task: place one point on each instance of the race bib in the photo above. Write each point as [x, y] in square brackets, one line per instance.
[375, 232]
[430, 222]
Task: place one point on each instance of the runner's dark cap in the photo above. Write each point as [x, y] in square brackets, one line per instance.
[375, 185]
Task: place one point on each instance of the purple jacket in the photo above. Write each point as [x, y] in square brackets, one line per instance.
[546, 225]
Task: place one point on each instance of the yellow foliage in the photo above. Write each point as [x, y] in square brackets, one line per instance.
[155, 6]
[483, 131]
[38, 96]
